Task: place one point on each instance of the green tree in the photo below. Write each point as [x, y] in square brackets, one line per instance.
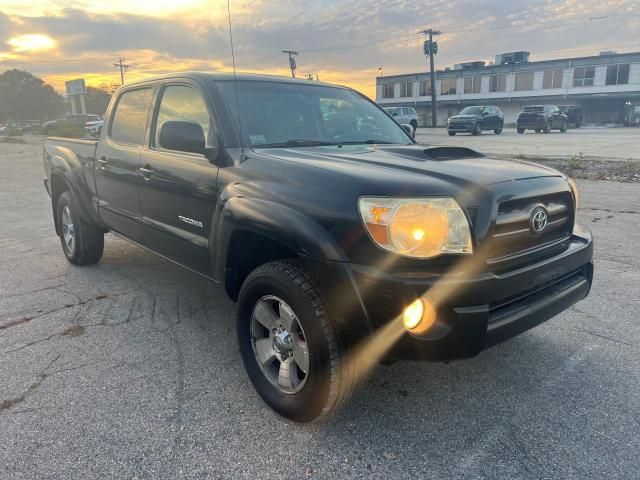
[24, 96]
[97, 100]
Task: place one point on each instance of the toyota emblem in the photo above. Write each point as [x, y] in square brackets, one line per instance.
[538, 220]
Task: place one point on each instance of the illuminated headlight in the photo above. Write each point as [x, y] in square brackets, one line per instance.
[574, 189]
[416, 227]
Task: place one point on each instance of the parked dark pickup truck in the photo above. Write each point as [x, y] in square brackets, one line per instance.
[340, 239]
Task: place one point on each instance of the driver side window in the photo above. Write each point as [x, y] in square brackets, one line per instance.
[181, 103]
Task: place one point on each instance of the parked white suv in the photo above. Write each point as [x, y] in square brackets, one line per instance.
[404, 116]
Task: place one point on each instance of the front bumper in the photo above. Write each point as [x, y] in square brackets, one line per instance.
[461, 127]
[482, 310]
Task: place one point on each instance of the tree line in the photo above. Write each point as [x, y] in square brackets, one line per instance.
[25, 97]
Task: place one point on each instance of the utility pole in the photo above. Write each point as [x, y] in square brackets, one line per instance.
[292, 61]
[123, 68]
[431, 48]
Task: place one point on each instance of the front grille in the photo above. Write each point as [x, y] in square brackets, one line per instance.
[512, 235]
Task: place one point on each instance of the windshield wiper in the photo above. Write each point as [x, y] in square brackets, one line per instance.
[296, 143]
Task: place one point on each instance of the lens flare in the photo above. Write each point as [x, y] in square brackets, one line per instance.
[413, 314]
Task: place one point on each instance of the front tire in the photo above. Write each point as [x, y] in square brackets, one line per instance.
[563, 129]
[452, 134]
[547, 128]
[498, 131]
[289, 344]
[477, 130]
[82, 242]
[520, 130]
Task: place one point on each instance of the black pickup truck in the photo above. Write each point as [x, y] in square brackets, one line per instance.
[342, 241]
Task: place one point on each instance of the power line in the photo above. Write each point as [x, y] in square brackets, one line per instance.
[385, 41]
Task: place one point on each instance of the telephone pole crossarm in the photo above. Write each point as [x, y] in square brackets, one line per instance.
[123, 68]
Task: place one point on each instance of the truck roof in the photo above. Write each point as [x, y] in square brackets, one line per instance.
[228, 76]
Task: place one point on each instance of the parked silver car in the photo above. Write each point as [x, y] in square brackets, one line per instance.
[404, 116]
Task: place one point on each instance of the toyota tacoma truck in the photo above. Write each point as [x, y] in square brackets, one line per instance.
[342, 241]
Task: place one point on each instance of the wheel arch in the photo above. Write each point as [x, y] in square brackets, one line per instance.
[251, 232]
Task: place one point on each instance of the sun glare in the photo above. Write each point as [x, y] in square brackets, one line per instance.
[31, 42]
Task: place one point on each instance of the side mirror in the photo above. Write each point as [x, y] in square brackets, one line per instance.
[408, 129]
[182, 137]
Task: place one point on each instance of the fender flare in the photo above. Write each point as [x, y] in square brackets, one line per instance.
[65, 164]
[296, 231]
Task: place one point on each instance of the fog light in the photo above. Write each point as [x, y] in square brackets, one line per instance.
[419, 316]
[413, 314]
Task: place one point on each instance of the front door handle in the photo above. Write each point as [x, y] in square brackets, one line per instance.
[145, 172]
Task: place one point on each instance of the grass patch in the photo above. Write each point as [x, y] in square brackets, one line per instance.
[577, 166]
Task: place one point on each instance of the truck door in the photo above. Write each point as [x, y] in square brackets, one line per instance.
[118, 160]
[179, 191]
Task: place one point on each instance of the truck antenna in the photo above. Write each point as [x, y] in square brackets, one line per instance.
[235, 79]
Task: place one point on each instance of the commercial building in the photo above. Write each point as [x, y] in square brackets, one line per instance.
[606, 86]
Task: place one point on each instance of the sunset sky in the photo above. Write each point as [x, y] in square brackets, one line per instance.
[342, 41]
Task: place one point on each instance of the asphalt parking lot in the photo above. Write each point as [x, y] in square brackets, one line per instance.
[130, 369]
[589, 142]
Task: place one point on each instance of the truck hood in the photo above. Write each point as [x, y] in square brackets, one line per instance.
[450, 164]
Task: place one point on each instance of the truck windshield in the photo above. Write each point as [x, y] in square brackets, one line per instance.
[533, 109]
[296, 115]
[472, 111]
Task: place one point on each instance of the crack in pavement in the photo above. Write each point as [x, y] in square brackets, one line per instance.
[7, 404]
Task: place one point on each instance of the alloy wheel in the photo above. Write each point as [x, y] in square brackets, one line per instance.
[279, 344]
[68, 230]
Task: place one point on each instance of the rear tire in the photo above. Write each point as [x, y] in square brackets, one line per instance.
[498, 131]
[547, 128]
[270, 296]
[520, 130]
[477, 130]
[452, 134]
[563, 129]
[82, 242]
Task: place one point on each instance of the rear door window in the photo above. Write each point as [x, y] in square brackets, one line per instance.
[130, 117]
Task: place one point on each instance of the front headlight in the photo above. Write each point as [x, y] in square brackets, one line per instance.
[416, 227]
[574, 189]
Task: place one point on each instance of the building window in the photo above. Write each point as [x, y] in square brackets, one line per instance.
[583, 76]
[406, 89]
[425, 88]
[498, 83]
[387, 90]
[552, 78]
[524, 81]
[472, 84]
[618, 74]
[448, 86]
